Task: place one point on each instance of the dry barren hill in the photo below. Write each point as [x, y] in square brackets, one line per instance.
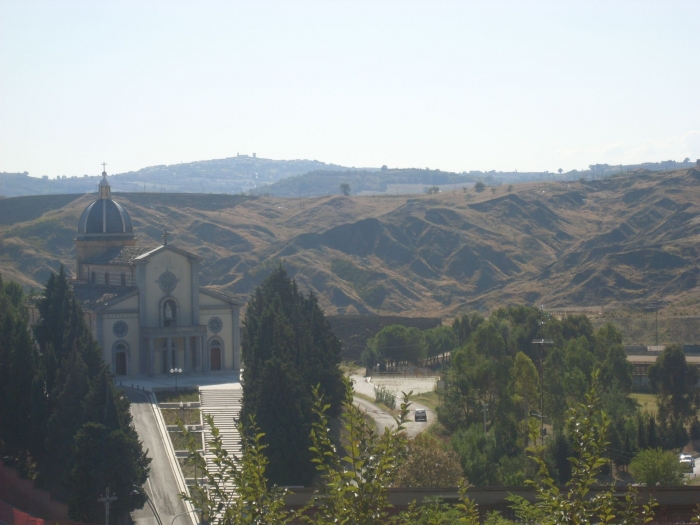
[626, 240]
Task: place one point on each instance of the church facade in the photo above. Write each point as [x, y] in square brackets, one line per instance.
[144, 304]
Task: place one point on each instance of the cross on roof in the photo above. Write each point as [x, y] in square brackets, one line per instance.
[165, 237]
[103, 166]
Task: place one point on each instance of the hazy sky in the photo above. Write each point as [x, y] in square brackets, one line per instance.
[452, 85]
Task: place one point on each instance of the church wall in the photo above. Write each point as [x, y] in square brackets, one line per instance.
[126, 314]
[226, 332]
[167, 261]
[115, 273]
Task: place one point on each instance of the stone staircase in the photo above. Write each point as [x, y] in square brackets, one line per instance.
[225, 405]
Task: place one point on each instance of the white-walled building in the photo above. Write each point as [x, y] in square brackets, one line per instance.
[144, 304]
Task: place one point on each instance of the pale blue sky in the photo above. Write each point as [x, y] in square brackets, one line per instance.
[452, 85]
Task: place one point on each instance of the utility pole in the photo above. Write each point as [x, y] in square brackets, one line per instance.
[542, 342]
[107, 499]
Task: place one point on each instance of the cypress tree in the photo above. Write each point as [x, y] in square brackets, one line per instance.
[641, 433]
[288, 348]
[16, 370]
[71, 390]
[67, 418]
[652, 437]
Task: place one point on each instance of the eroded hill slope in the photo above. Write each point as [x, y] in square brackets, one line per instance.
[628, 239]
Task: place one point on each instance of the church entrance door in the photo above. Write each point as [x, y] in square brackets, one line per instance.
[121, 363]
[216, 358]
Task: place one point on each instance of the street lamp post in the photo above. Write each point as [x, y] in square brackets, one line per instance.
[175, 372]
[542, 342]
[139, 490]
[188, 512]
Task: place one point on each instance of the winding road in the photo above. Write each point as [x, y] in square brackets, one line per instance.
[384, 419]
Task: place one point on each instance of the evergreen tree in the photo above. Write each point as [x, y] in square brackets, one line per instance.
[105, 458]
[641, 433]
[65, 421]
[17, 362]
[652, 435]
[674, 383]
[62, 326]
[288, 348]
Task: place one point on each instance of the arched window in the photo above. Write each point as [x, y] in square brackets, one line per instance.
[215, 354]
[107, 278]
[120, 359]
[169, 313]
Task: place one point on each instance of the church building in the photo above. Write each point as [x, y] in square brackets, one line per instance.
[144, 304]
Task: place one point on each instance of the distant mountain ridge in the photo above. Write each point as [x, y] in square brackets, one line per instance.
[632, 240]
[230, 175]
[294, 178]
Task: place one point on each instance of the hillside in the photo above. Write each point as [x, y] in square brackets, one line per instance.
[230, 175]
[625, 240]
[327, 182]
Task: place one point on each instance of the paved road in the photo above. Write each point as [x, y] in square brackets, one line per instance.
[382, 418]
[161, 485]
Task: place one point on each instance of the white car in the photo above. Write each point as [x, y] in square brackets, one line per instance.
[687, 461]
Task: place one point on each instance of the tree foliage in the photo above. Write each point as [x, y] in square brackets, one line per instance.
[655, 466]
[427, 464]
[287, 347]
[397, 344]
[674, 383]
[60, 405]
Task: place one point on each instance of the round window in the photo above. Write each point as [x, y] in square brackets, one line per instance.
[215, 325]
[120, 329]
[167, 281]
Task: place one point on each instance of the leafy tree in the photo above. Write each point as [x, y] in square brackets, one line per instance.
[465, 326]
[255, 502]
[478, 454]
[287, 346]
[353, 479]
[440, 341]
[586, 425]
[525, 383]
[428, 465]
[345, 188]
[397, 343]
[432, 190]
[673, 381]
[479, 187]
[655, 466]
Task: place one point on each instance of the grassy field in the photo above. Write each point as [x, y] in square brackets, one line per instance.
[187, 468]
[374, 402]
[171, 415]
[170, 396]
[647, 402]
[429, 399]
[179, 442]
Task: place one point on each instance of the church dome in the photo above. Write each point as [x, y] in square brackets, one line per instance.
[104, 217]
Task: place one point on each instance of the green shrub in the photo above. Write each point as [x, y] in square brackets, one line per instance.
[385, 397]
